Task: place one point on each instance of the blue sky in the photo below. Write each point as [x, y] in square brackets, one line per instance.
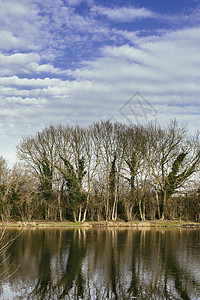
[79, 61]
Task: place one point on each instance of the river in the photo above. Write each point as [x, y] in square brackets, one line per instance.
[102, 264]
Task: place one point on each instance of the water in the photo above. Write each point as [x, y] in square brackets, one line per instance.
[103, 264]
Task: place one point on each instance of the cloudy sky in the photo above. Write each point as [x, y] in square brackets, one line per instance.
[79, 61]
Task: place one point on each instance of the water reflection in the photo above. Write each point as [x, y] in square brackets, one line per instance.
[104, 264]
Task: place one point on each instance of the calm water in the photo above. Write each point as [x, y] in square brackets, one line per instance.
[103, 264]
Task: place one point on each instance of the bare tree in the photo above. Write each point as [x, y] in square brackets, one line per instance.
[40, 155]
[172, 159]
[6, 181]
[109, 141]
[92, 152]
[135, 168]
[26, 193]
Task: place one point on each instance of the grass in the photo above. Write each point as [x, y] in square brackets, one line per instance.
[91, 224]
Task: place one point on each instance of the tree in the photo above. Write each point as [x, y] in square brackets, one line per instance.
[91, 162]
[168, 149]
[73, 181]
[40, 155]
[6, 190]
[72, 158]
[26, 195]
[103, 170]
[135, 168]
[111, 151]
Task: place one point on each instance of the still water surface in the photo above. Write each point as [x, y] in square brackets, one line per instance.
[103, 264]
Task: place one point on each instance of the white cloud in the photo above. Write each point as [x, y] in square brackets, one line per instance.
[157, 68]
[8, 40]
[14, 10]
[25, 101]
[123, 14]
[18, 59]
[44, 68]
[16, 81]
[18, 21]
[19, 63]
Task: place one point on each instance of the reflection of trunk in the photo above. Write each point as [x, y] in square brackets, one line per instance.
[44, 284]
[72, 275]
[113, 273]
[178, 274]
[133, 289]
[135, 265]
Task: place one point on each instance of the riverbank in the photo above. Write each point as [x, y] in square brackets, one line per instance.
[103, 224]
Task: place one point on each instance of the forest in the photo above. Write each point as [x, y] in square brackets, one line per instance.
[104, 171]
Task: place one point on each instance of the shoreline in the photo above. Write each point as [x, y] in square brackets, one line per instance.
[102, 224]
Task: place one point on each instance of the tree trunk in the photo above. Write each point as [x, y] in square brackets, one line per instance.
[80, 213]
[86, 208]
[144, 208]
[141, 204]
[74, 215]
[59, 206]
[164, 205]
[158, 205]
[129, 210]
[46, 208]
[114, 209]
[84, 214]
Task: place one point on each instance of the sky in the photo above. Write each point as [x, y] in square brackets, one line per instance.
[79, 61]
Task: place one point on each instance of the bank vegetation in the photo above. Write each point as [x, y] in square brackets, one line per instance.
[104, 172]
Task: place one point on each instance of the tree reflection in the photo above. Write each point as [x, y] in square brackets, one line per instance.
[107, 264]
[72, 275]
[43, 288]
[184, 282]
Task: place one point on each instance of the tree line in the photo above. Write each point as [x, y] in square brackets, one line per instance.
[105, 171]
